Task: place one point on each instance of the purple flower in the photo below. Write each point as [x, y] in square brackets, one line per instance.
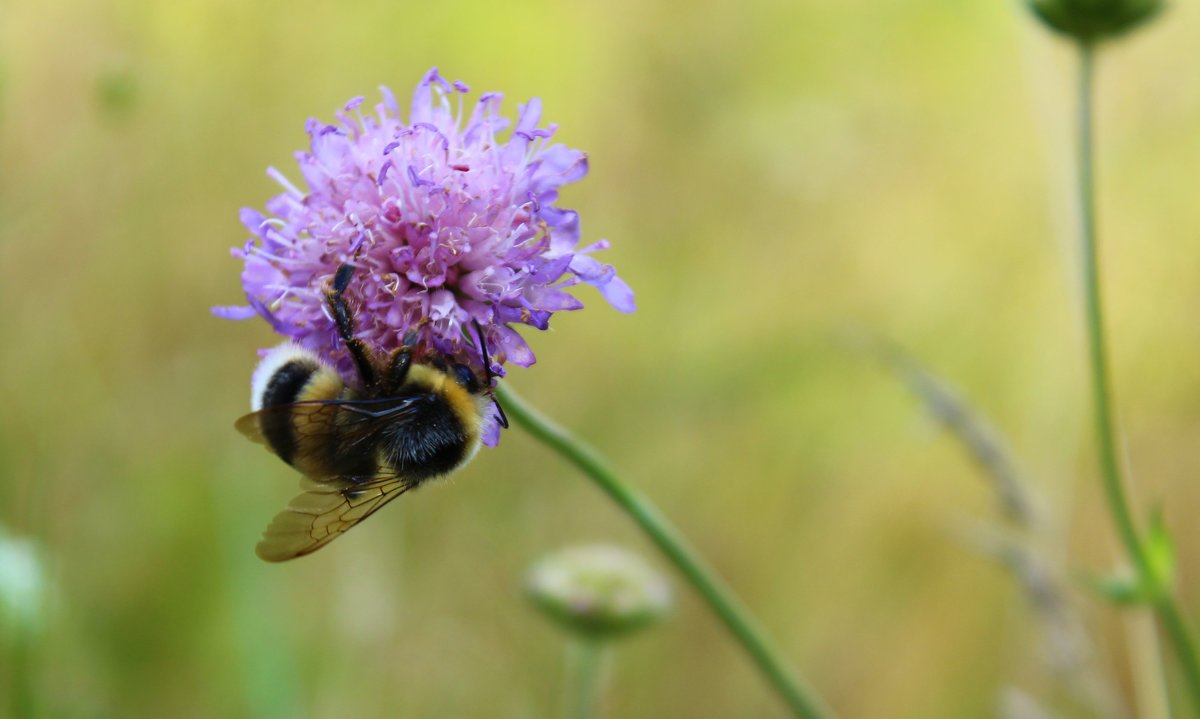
[447, 224]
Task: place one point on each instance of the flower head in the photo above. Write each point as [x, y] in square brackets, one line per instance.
[447, 224]
[1090, 20]
[598, 590]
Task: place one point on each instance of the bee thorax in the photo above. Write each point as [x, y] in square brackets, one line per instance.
[434, 443]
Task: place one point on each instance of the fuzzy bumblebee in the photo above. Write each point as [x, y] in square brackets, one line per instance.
[416, 415]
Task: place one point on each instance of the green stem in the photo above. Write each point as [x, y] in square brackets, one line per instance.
[585, 663]
[802, 700]
[1110, 466]
[1181, 639]
[24, 701]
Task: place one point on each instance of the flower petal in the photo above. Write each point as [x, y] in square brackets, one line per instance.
[234, 312]
[618, 294]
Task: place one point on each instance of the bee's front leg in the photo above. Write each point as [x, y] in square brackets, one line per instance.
[344, 319]
[397, 370]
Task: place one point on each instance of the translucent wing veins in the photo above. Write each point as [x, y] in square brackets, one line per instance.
[323, 511]
[330, 505]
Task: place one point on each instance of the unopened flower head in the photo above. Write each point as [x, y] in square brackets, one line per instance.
[447, 224]
[1090, 20]
[598, 590]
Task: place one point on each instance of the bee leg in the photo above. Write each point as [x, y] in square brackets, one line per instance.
[359, 351]
[398, 368]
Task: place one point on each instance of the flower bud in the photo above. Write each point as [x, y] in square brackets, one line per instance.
[598, 591]
[1090, 20]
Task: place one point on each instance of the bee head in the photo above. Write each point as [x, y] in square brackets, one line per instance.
[461, 369]
[458, 370]
[466, 377]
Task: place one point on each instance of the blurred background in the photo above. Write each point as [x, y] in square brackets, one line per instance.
[774, 177]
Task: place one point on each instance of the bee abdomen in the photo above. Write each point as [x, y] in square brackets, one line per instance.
[287, 375]
[285, 387]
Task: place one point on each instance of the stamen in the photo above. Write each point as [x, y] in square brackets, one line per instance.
[277, 176]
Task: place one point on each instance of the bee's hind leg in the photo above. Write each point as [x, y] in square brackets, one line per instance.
[359, 352]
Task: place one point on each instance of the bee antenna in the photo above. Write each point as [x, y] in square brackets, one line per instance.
[487, 370]
[487, 362]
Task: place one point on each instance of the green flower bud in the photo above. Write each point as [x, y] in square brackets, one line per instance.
[598, 591]
[1090, 20]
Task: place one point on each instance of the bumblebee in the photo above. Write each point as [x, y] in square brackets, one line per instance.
[417, 415]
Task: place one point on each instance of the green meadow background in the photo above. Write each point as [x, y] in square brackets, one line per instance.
[775, 177]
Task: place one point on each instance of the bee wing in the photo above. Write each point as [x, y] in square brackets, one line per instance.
[330, 505]
[249, 426]
[323, 511]
[319, 418]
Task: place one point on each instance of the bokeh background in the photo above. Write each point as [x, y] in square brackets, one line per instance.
[775, 177]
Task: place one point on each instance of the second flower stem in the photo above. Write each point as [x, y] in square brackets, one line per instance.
[802, 700]
[1161, 597]
[585, 664]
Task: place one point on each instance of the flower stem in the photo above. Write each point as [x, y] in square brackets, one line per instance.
[24, 702]
[585, 663]
[802, 700]
[1162, 599]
